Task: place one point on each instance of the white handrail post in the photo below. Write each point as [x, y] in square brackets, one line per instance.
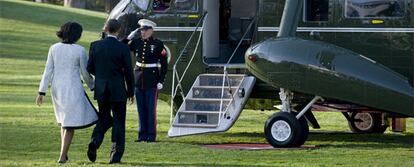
[222, 95]
[172, 97]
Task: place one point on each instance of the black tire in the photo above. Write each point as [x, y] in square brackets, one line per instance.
[298, 132]
[304, 124]
[372, 123]
[305, 129]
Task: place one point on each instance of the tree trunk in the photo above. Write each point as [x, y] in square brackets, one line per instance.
[110, 4]
[75, 3]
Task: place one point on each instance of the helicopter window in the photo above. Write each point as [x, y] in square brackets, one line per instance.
[374, 9]
[118, 8]
[161, 5]
[142, 4]
[316, 10]
[186, 5]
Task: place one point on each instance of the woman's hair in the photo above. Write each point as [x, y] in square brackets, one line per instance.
[70, 32]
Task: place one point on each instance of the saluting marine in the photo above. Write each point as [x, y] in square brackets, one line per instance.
[150, 70]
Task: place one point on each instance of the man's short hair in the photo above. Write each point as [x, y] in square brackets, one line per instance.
[112, 26]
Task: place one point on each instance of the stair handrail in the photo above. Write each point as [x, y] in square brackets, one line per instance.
[225, 73]
[174, 88]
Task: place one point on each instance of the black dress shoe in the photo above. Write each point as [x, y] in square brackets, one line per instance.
[64, 161]
[114, 162]
[92, 152]
[115, 156]
[150, 139]
[139, 140]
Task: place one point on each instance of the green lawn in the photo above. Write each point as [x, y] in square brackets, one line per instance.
[29, 135]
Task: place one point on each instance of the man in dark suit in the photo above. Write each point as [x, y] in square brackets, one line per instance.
[110, 63]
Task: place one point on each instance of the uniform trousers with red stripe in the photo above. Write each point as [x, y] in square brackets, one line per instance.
[147, 106]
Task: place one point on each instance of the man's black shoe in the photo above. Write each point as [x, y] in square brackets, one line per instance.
[92, 152]
[139, 140]
[150, 141]
[114, 162]
[114, 157]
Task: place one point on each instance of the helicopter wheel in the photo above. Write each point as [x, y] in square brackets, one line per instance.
[364, 122]
[282, 129]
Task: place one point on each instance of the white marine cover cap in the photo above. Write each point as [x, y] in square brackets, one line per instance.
[147, 23]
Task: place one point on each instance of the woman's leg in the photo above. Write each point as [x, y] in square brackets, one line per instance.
[62, 134]
[67, 140]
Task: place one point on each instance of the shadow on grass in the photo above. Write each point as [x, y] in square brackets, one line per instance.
[349, 140]
[322, 139]
[183, 164]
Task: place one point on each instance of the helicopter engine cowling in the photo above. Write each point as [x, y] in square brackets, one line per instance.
[323, 69]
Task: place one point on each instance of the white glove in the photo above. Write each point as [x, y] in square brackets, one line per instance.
[159, 86]
[132, 34]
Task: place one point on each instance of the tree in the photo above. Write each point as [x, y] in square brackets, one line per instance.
[75, 3]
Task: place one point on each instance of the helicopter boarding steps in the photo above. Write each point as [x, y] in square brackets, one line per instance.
[204, 111]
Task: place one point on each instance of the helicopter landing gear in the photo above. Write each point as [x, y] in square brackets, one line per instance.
[287, 128]
[365, 122]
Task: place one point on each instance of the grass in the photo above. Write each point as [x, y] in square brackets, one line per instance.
[29, 135]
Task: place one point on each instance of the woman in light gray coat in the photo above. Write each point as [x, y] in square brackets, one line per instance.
[65, 62]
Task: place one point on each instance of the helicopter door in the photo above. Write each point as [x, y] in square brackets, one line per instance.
[225, 33]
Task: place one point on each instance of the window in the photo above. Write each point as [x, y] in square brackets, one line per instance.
[374, 9]
[316, 10]
[186, 5]
[119, 8]
[142, 4]
[161, 5]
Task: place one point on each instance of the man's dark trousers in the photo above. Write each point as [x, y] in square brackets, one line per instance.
[117, 123]
[146, 106]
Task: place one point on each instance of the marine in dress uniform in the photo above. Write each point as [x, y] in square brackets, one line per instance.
[150, 70]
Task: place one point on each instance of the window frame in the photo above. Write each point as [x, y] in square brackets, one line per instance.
[139, 7]
[173, 8]
[304, 15]
[169, 10]
[345, 8]
[196, 10]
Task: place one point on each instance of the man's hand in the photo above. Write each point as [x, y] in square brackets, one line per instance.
[131, 100]
[132, 34]
[39, 100]
[160, 86]
[163, 53]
